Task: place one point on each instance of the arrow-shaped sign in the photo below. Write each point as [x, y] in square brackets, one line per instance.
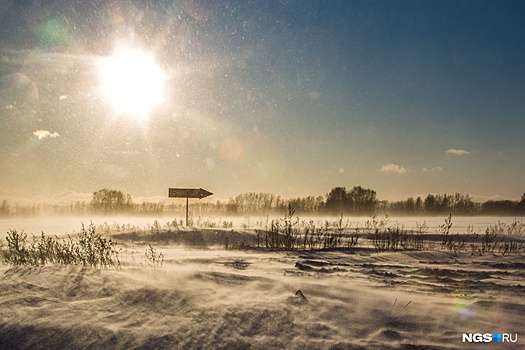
[188, 193]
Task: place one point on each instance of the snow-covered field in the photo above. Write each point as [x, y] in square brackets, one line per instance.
[206, 297]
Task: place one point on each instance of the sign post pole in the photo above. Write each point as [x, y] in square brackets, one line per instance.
[188, 193]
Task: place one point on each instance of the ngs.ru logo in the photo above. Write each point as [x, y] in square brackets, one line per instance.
[489, 338]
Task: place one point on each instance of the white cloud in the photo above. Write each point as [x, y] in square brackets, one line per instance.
[42, 134]
[62, 198]
[436, 168]
[393, 168]
[458, 152]
[485, 198]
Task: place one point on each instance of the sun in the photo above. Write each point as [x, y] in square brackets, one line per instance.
[132, 82]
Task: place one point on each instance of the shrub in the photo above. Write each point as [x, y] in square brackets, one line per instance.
[153, 258]
[17, 253]
[88, 249]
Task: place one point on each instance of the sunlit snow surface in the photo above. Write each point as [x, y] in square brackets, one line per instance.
[206, 297]
[203, 299]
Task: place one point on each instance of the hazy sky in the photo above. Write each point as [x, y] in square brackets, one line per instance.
[290, 97]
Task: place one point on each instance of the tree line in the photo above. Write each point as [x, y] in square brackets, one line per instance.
[358, 201]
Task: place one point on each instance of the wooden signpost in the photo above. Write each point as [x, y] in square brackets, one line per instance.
[188, 193]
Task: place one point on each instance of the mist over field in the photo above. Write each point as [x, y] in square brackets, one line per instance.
[59, 225]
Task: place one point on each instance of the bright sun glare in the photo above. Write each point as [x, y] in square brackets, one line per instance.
[132, 82]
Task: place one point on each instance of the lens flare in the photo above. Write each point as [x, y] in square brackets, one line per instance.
[231, 149]
[18, 87]
[464, 311]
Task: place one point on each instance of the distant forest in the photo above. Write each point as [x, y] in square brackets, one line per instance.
[357, 201]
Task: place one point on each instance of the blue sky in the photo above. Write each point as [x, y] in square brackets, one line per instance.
[288, 97]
